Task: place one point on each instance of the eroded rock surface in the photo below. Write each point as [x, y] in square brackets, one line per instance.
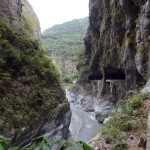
[116, 49]
[21, 16]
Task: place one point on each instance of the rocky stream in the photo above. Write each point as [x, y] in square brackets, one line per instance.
[83, 125]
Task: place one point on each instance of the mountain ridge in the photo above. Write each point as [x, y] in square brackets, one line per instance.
[63, 43]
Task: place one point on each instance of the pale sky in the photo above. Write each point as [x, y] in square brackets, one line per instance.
[52, 12]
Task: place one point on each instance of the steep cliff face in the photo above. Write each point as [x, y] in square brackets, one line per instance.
[9, 10]
[32, 100]
[29, 16]
[21, 16]
[116, 48]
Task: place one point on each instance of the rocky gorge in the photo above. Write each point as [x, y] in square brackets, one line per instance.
[113, 64]
[116, 54]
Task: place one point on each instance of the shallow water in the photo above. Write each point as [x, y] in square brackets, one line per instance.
[90, 126]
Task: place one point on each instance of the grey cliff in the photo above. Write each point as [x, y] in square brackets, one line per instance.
[116, 54]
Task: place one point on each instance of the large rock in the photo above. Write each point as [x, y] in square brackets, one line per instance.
[34, 100]
[55, 128]
[97, 97]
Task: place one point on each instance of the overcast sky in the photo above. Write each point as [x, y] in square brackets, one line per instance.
[52, 12]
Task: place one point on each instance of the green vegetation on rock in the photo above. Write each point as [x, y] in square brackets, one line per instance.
[29, 81]
[27, 23]
[128, 117]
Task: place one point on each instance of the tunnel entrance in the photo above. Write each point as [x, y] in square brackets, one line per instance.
[113, 76]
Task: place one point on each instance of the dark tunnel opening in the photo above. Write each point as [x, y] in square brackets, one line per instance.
[113, 76]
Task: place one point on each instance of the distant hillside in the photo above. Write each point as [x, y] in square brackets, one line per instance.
[63, 42]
